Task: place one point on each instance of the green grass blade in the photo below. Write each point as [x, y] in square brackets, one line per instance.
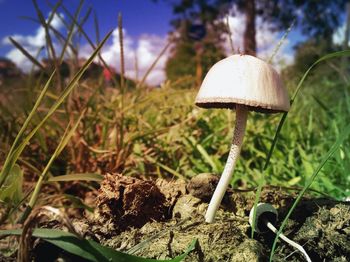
[61, 98]
[333, 149]
[284, 116]
[256, 201]
[62, 144]
[8, 163]
[207, 158]
[283, 119]
[13, 157]
[77, 177]
[89, 249]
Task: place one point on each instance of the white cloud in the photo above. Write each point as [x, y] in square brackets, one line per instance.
[266, 40]
[32, 43]
[145, 49]
[339, 35]
[237, 25]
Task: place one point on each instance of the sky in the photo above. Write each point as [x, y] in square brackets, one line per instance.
[145, 28]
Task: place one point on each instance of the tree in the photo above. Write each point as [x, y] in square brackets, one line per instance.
[197, 37]
[318, 19]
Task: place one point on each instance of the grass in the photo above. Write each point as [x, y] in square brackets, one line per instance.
[159, 132]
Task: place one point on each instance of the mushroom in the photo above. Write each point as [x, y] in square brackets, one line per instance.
[266, 217]
[244, 83]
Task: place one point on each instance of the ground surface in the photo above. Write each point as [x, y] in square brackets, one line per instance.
[158, 219]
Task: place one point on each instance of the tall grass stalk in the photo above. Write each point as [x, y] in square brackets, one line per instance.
[122, 82]
[345, 134]
[10, 160]
[49, 43]
[16, 149]
[280, 43]
[68, 133]
[229, 34]
[70, 33]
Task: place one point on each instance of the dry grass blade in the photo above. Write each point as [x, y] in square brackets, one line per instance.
[229, 34]
[44, 24]
[60, 37]
[97, 28]
[142, 82]
[121, 45]
[51, 50]
[284, 37]
[70, 33]
[88, 39]
[26, 53]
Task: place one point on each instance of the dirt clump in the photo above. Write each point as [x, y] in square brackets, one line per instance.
[203, 186]
[327, 232]
[124, 202]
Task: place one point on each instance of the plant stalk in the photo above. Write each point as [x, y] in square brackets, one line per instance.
[237, 140]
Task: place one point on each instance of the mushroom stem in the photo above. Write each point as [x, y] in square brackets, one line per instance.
[290, 242]
[238, 134]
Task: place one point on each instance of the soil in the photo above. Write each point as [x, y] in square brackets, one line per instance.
[159, 219]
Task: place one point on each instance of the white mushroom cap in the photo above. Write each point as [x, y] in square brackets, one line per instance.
[246, 80]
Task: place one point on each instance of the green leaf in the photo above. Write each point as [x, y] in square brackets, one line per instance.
[12, 190]
[77, 177]
[89, 249]
[294, 181]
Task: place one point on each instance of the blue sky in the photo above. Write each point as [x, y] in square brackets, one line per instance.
[139, 17]
[146, 25]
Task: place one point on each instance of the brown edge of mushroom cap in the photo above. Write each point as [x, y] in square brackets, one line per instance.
[230, 103]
